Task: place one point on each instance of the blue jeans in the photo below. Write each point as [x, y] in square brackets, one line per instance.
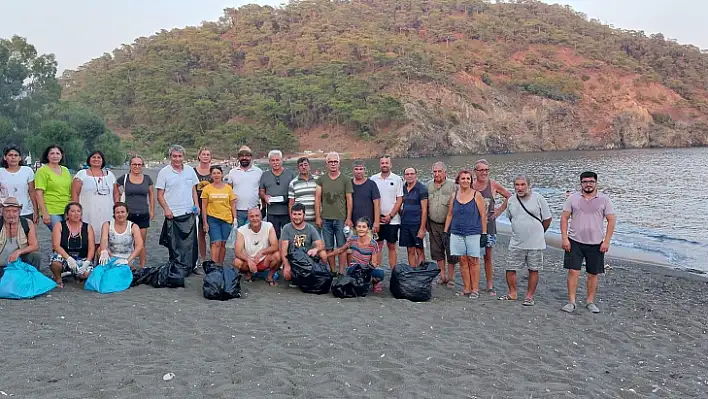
[219, 230]
[377, 274]
[54, 219]
[242, 217]
[333, 233]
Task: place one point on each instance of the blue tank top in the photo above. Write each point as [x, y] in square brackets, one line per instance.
[466, 220]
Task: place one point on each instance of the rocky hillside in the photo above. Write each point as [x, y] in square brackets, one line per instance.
[415, 77]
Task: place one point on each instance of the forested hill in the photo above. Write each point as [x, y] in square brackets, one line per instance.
[411, 77]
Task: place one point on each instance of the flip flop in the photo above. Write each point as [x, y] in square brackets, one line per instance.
[442, 282]
[462, 293]
[450, 284]
[506, 297]
[528, 302]
[491, 291]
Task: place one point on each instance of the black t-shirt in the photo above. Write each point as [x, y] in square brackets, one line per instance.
[136, 195]
[363, 200]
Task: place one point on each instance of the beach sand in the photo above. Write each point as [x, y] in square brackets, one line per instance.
[650, 341]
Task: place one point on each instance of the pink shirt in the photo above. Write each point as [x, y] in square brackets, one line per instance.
[587, 217]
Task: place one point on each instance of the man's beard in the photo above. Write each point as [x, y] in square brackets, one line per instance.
[244, 162]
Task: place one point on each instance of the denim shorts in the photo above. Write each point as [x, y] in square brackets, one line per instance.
[333, 233]
[54, 219]
[219, 230]
[377, 273]
[465, 245]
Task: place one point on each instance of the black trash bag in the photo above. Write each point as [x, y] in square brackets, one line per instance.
[414, 283]
[310, 274]
[354, 284]
[179, 236]
[165, 276]
[221, 283]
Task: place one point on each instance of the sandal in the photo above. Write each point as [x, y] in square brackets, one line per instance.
[491, 291]
[450, 284]
[462, 293]
[442, 282]
[528, 302]
[474, 295]
[506, 297]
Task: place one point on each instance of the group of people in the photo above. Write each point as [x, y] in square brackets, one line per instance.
[344, 221]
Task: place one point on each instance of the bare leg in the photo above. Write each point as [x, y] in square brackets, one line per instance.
[331, 262]
[572, 284]
[214, 251]
[222, 252]
[474, 273]
[533, 283]
[392, 254]
[511, 282]
[201, 241]
[450, 272]
[420, 256]
[143, 253]
[489, 267]
[465, 272]
[441, 266]
[342, 261]
[592, 287]
[411, 256]
[273, 266]
[56, 273]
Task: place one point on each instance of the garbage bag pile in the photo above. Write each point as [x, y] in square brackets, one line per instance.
[221, 283]
[355, 283]
[310, 274]
[18, 280]
[112, 277]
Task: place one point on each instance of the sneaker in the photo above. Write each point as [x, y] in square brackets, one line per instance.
[199, 271]
[592, 307]
[569, 308]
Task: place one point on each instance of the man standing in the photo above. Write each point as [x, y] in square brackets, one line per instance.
[414, 216]
[245, 179]
[586, 238]
[391, 190]
[257, 247]
[302, 190]
[530, 218]
[440, 189]
[18, 237]
[333, 208]
[299, 234]
[489, 190]
[274, 191]
[177, 195]
[366, 200]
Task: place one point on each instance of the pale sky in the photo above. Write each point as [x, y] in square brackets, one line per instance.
[78, 30]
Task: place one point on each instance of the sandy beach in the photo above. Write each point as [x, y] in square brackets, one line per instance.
[650, 341]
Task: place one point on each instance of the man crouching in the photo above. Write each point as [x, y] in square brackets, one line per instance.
[257, 248]
[18, 238]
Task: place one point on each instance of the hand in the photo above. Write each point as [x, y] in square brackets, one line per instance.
[35, 217]
[46, 219]
[348, 223]
[312, 252]
[104, 257]
[385, 219]
[318, 221]
[286, 273]
[566, 245]
[605, 246]
[168, 213]
[72, 264]
[376, 228]
[152, 215]
[446, 240]
[421, 234]
[267, 199]
[252, 266]
[258, 256]
[483, 239]
[205, 227]
[13, 256]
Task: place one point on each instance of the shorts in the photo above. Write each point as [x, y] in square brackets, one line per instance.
[408, 237]
[333, 233]
[84, 265]
[388, 233]
[465, 245]
[54, 219]
[142, 220]
[278, 222]
[242, 217]
[219, 230]
[491, 240]
[261, 266]
[518, 259]
[594, 259]
[437, 243]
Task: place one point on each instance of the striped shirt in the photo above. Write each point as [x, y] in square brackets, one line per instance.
[303, 191]
[362, 254]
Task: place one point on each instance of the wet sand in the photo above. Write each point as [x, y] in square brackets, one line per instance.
[650, 341]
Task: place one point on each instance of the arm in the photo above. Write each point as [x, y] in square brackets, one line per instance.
[116, 192]
[339, 250]
[75, 189]
[56, 242]
[546, 224]
[91, 244]
[42, 205]
[233, 209]
[205, 211]
[348, 221]
[138, 243]
[32, 245]
[291, 202]
[423, 217]
[104, 237]
[264, 197]
[33, 198]
[161, 200]
[448, 219]
[498, 188]
[318, 250]
[611, 221]
[151, 201]
[291, 197]
[240, 248]
[481, 207]
[318, 205]
[284, 256]
[565, 216]
[377, 215]
[195, 197]
[396, 207]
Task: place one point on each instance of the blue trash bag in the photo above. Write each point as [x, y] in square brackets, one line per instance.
[23, 281]
[109, 278]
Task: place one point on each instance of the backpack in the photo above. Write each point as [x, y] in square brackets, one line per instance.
[23, 222]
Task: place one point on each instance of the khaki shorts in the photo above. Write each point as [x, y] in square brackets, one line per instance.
[531, 259]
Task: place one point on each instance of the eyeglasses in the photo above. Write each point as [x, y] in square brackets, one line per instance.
[136, 164]
[482, 170]
[588, 182]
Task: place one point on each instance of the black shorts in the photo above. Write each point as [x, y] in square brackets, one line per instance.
[409, 236]
[388, 233]
[594, 259]
[142, 220]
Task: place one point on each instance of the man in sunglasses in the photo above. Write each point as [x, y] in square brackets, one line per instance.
[585, 237]
[274, 191]
[245, 179]
[333, 208]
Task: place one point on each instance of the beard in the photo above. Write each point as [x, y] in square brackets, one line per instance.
[244, 162]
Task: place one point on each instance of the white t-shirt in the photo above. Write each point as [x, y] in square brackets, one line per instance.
[178, 188]
[246, 184]
[527, 232]
[390, 189]
[17, 185]
[255, 242]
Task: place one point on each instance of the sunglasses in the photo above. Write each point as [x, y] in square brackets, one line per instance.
[277, 180]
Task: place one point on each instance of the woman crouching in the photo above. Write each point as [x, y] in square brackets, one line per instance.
[120, 238]
[74, 245]
[364, 251]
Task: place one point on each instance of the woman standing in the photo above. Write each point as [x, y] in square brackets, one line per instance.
[17, 180]
[120, 238]
[93, 189]
[219, 212]
[466, 226]
[203, 171]
[364, 251]
[52, 184]
[139, 197]
[73, 244]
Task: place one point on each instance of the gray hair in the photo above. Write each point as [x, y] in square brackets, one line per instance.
[275, 153]
[176, 148]
[523, 177]
[332, 155]
[481, 161]
[441, 165]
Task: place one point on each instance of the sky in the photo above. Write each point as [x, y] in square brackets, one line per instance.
[77, 31]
